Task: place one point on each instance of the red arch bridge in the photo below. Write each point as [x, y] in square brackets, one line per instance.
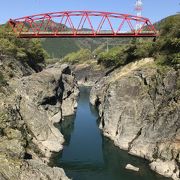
[82, 24]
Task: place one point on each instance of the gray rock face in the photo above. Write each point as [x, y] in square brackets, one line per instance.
[69, 103]
[12, 68]
[38, 171]
[88, 74]
[14, 169]
[40, 98]
[167, 168]
[139, 108]
[29, 108]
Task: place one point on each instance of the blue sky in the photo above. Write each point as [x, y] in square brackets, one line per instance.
[153, 9]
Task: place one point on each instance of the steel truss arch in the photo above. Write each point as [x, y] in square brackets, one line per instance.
[72, 24]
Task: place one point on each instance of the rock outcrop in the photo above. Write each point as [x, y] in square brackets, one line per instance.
[29, 107]
[17, 169]
[139, 107]
[12, 68]
[88, 73]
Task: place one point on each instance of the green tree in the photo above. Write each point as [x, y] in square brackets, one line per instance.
[26, 50]
[78, 57]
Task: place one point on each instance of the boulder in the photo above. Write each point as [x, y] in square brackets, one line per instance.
[37, 171]
[131, 167]
[16, 169]
[167, 168]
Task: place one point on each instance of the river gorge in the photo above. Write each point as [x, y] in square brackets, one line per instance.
[88, 155]
[47, 133]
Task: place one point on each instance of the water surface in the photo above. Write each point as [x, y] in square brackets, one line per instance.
[87, 155]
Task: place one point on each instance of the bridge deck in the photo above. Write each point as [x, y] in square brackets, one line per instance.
[83, 34]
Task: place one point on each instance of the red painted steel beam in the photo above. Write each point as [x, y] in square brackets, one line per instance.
[71, 24]
[87, 36]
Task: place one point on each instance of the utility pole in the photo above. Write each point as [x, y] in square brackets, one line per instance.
[107, 45]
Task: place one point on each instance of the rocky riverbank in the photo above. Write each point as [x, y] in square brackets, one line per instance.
[30, 104]
[139, 109]
[88, 73]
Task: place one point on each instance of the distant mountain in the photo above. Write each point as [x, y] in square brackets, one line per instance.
[59, 47]
[160, 24]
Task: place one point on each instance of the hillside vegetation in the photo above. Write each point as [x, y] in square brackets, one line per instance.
[60, 47]
[78, 57]
[57, 48]
[165, 50]
[26, 52]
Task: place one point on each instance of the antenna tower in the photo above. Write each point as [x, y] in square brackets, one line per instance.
[138, 9]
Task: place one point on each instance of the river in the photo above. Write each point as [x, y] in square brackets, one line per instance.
[87, 155]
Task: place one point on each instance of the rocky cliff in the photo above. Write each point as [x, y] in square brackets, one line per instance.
[29, 107]
[139, 107]
[88, 73]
